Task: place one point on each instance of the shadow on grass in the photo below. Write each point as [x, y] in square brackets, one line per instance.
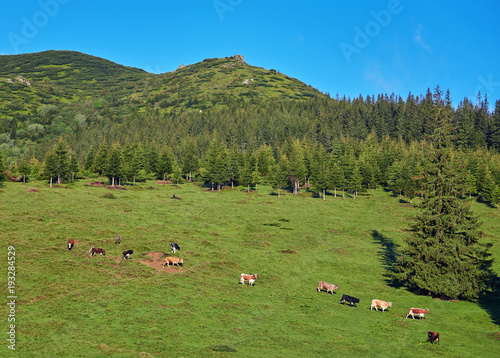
[388, 256]
[490, 302]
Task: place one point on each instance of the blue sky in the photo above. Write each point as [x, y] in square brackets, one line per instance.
[340, 47]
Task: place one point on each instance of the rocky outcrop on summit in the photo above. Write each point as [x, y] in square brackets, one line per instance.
[239, 58]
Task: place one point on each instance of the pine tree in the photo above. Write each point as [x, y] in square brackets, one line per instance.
[165, 164]
[279, 178]
[489, 188]
[3, 167]
[113, 164]
[443, 254]
[73, 165]
[61, 161]
[470, 186]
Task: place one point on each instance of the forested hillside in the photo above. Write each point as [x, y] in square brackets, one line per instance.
[227, 122]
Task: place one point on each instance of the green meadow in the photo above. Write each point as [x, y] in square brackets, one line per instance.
[71, 305]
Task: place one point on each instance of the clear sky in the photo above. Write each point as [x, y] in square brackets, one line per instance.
[340, 47]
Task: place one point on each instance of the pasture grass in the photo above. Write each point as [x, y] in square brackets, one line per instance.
[71, 305]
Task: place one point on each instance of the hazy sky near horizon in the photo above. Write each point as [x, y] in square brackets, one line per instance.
[347, 48]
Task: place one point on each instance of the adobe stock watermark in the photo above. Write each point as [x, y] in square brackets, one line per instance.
[32, 24]
[223, 6]
[363, 36]
[486, 85]
[11, 296]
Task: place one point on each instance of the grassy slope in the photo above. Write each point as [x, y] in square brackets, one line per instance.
[71, 305]
[67, 77]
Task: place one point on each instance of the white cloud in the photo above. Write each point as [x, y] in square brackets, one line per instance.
[419, 40]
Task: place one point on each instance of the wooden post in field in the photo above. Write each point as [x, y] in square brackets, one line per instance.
[24, 179]
[112, 181]
[51, 182]
[134, 180]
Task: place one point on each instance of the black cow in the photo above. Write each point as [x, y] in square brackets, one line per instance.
[174, 247]
[350, 300]
[126, 254]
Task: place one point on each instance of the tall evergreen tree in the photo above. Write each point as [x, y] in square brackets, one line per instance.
[165, 164]
[114, 164]
[279, 177]
[3, 167]
[61, 161]
[443, 255]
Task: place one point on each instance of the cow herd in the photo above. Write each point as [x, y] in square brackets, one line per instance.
[322, 285]
[174, 261]
[419, 312]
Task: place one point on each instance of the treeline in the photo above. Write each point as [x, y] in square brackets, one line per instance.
[241, 123]
[244, 121]
[350, 167]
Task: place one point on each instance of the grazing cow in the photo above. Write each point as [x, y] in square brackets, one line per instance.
[382, 304]
[95, 250]
[327, 286]
[173, 260]
[433, 336]
[350, 300]
[126, 254]
[417, 311]
[174, 247]
[118, 239]
[71, 243]
[250, 278]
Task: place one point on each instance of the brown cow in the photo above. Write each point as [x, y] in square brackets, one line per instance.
[96, 250]
[327, 286]
[250, 278]
[433, 336]
[417, 311]
[71, 243]
[173, 260]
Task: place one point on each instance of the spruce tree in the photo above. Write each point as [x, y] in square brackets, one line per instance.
[3, 167]
[280, 177]
[443, 254]
[61, 161]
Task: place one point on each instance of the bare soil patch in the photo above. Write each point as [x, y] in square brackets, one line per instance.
[154, 260]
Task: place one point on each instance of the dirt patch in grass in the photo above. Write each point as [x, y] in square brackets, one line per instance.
[287, 251]
[154, 260]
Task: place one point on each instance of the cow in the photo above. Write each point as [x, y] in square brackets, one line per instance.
[71, 243]
[350, 300]
[417, 311]
[118, 239]
[95, 250]
[382, 304]
[433, 337]
[173, 260]
[327, 286]
[126, 254]
[174, 247]
[250, 278]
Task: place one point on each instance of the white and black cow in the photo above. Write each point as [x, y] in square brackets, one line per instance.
[127, 253]
[174, 247]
